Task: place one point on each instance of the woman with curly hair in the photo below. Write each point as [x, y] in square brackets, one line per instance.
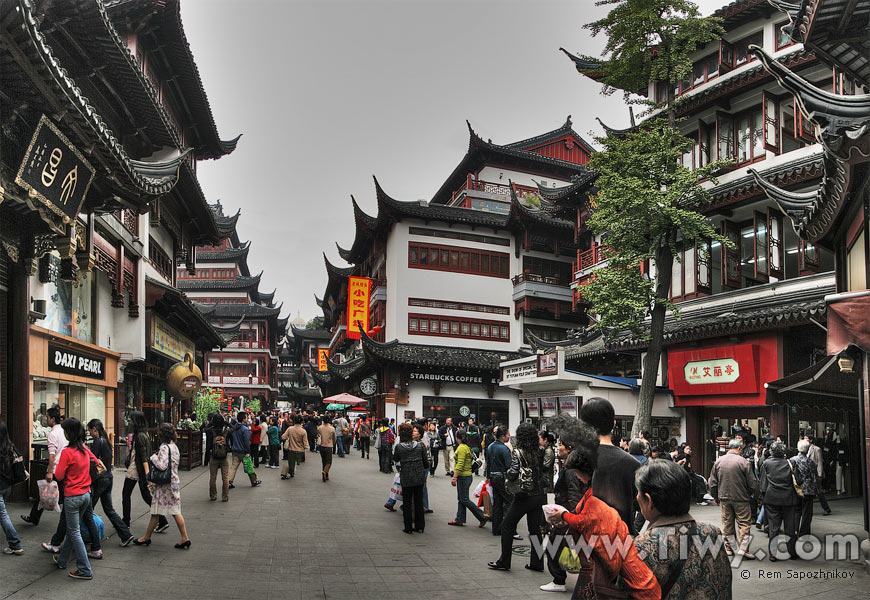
[527, 501]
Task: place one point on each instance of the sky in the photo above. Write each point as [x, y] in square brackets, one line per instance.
[328, 93]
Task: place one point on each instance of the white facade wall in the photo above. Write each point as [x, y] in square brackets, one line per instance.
[504, 176]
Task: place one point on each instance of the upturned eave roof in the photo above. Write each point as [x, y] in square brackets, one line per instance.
[435, 356]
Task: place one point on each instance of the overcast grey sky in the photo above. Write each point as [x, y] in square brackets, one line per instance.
[329, 92]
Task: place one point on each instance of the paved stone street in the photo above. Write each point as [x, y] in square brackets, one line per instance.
[306, 539]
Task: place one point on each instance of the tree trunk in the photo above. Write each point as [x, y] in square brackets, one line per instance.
[643, 415]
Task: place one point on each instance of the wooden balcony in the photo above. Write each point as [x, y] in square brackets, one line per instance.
[489, 188]
[527, 277]
[237, 379]
[249, 344]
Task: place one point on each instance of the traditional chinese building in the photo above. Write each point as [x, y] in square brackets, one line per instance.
[753, 316]
[458, 282]
[228, 296]
[104, 119]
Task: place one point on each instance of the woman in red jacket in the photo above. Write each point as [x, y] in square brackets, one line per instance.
[616, 565]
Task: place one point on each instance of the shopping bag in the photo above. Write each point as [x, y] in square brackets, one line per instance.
[485, 502]
[569, 560]
[86, 533]
[48, 495]
[476, 493]
[248, 464]
[396, 489]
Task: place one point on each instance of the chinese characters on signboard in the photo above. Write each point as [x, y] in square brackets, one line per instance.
[718, 370]
[358, 290]
[167, 340]
[55, 172]
[548, 364]
[322, 355]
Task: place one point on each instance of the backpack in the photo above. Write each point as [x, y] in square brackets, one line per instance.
[219, 445]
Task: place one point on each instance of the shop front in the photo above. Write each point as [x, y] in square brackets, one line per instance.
[548, 389]
[721, 384]
[77, 377]
[460, 396]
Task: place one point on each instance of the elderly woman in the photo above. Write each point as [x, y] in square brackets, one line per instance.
[780, 499]
[664, 493]
[810, 486]
[613, 573]
[412, 460]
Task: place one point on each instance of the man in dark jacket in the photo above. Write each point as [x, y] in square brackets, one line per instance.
[447, 435]
[780, 500]
[498, 460]
[732, 484]
[240, 445]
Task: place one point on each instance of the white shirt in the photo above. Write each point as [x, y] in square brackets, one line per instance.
[56, 442]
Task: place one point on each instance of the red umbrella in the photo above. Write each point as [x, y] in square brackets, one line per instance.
[348, 399]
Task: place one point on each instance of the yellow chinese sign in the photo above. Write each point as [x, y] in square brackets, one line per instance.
[358, 290]
[322, 355]
[167, 340]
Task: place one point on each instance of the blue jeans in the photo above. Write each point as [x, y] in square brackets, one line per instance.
[11, 535]
[463, 484]
[76, 509]
[339, 441]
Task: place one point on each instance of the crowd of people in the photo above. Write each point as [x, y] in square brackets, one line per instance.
[610, 494]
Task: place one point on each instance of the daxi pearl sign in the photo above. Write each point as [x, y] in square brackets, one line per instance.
[718, 370]
[72, 362]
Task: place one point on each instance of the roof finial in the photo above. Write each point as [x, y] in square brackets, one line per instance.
[568, 121]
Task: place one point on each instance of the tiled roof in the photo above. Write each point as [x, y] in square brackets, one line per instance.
[388, 207]
[348, 369]
[184, 314]
[239, 283]
[795, 171]
[310, 334]
[228, 255]
[436, 356]
[551, 136]
[580, 184]
[236, 310]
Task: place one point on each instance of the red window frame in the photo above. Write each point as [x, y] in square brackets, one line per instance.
[778, 30]
[459, 259]
[450, 326]
[458, 305]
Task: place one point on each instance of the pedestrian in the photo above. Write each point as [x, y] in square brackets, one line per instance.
[74, 469]
[474, 439]
[385, 449]
[326, 440]
[529, 497]
[56, 442]
[638, 449]
[613, 480]
[138, 451]
[8, 453]
[102, 487]
[604, 529]
[434, 442]
[732, 484]
[264, 432]
[341, 426]
[462, 479]
[815, 455]
[664, 493]
[546, 441]
[167, 496]
[498, 460]
[809, 486]
[777, 481]
[256, 438]
[447, 435]
[240, 446]
[418, 434]
[295, 439]
[218, 453]
[412, 462]
[364, 437]
[311, 430]
[274, 436]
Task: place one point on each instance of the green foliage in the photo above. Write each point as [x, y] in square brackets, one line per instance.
[646, 201]
[253, 404]
[532, 200]
[206, 401]
[315, 323]
[650, 40]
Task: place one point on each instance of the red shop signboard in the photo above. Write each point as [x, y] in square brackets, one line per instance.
[723, 375]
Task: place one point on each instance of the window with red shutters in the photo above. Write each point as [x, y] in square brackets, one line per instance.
[459, 327]
[458, 260]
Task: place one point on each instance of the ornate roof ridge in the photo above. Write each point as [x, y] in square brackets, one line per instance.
[585, 65]
[578, 182]
[337, 271]
[565, 129]
[521, 211]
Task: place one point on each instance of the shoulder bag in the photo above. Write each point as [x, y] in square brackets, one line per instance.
[19, 473]
[525, 482]
[161, 476]
[797, 488]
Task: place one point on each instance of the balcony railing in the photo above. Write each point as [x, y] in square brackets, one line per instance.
[488, 187]
[237, 379]
[248, 344]
[130, 220]
[535, 278]
[589, 258]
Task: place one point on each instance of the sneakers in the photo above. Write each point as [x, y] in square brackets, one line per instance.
[127, 542]
[553, 587]
[389, 508]
[256, 483]
[702, 503]
[78, 575]
[232, 487]
[96, 554]
[162, 528]
[16, 551]
[49, 548]
[27, 519]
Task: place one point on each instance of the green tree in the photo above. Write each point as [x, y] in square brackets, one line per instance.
[648, 204]
[315, 323]
[206, 401]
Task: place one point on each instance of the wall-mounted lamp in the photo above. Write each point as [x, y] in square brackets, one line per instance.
[846, 363]
[37, 310]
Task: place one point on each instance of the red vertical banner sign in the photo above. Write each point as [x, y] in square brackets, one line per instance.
[358, 291]
[322, 355]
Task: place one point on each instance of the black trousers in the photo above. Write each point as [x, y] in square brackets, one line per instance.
[311, 442]
[385, 459]
[805, 516]
[823, 501]
[529, 507]
[412, 507]
[255, 454]
[273, 455]
[559, 575]
[435, 452]
[781, 520]
[365, 446]
[127, 494]
[501, 501]
[102, 491]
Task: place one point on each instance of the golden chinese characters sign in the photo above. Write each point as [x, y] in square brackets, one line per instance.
[358, 290]
[322, 355]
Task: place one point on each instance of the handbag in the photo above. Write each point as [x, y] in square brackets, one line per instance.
[19, 473]
[161, 476]
[525, 482]
[377, 439]
[797, 488]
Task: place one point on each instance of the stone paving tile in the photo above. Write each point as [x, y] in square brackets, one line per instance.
[311, 540]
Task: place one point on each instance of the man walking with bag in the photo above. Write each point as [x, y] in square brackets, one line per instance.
[295, 439]
[240, 445]
[448, 443]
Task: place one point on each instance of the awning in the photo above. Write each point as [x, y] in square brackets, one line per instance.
[348, 399]
[176, 308]
[821, 385]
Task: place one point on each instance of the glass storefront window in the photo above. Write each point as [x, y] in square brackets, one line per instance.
[487, 413]
[84, 402]
[69, 304]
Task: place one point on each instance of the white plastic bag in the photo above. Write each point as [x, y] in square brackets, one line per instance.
[396, 489]
[476, 493]
[48, 495]
[552, 511]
